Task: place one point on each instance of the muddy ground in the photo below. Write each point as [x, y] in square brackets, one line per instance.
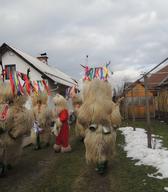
[46, 171]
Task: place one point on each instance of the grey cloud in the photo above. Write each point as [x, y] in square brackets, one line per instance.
[127, 32]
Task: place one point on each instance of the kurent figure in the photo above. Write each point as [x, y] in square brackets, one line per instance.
[116, 115]
[76, 103]
[61, 124]
[97, 115]
[41, 132]
[15, 122]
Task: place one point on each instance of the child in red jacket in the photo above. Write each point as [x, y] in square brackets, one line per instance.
[62, 127]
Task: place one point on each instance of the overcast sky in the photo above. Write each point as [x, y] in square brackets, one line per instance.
[132, 34]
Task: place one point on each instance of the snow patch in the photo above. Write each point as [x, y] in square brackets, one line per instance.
[136, 147]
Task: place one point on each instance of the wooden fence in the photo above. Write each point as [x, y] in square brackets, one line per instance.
[161, 102]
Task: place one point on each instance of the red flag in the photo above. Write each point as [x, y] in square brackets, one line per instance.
[12, 83]
[21, 88]
[27, 82]
[46, 87]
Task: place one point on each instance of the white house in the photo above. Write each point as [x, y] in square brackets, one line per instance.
[13, 59]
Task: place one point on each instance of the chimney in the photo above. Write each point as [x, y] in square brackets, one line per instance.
[43, 57]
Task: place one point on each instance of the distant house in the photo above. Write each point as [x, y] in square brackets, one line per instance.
[13, 59]
[157, 79]
[134, 93]
[158, 84]
[134, 101]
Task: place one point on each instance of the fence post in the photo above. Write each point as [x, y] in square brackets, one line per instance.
[149, 137]
[133, 108]
[125, 106]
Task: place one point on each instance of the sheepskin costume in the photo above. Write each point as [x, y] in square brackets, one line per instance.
[79, 129]
[41, 132]
[95, 115]
[116, 115]
[15, 122]
[61, 124]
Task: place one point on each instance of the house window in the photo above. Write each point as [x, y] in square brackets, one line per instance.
[9, 69]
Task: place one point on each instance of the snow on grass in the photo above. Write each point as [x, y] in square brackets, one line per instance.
[136, 147]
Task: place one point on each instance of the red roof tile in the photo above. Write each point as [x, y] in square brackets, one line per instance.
[157, 78]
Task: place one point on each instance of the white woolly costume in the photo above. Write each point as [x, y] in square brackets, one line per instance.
[95, 115]
[16, 121]
[79, 129]
[41, 132]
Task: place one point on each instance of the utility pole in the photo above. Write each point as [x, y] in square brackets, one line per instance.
[133, 108]
[149, 137]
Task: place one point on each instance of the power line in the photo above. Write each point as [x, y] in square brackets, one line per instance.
[147, 73]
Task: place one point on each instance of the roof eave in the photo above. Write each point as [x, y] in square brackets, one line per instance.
[7, 47]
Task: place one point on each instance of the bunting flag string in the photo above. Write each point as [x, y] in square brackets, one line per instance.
[39, 86]
[12, 83]
[34, 87]
[3, 74]
[101, 73]
[46, 87]
[27, 83]
[20, 89]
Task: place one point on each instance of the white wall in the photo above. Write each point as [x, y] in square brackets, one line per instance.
[21, 66]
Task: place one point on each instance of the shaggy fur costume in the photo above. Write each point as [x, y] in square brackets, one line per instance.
[99, 147]
[17, 123]
[43, 117]
[116, 115]
[61, 120]
[97, 106]
[79, 129]
[98, 110]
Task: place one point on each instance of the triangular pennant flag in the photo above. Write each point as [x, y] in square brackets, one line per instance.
[12, 83]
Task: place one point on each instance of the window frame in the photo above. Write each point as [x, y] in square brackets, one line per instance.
[7, 71]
